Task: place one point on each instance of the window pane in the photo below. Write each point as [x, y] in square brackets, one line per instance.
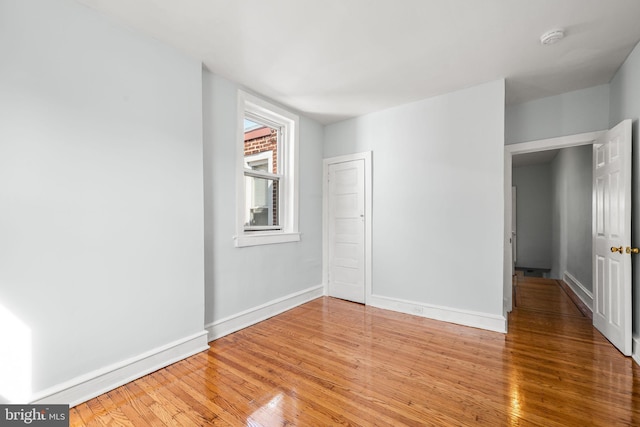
[261, 142]
[261, 207]
[250, 125]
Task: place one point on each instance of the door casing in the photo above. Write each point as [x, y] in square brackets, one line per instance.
[587, 138]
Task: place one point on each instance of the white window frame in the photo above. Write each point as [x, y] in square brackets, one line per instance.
[287, 163]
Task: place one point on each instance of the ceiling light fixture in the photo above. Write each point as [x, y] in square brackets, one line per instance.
[551, 37]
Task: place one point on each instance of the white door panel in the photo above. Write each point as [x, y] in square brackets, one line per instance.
[346, 205]
[514, 233]
[612, 230]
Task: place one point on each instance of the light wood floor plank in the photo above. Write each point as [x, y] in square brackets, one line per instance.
[331, 362]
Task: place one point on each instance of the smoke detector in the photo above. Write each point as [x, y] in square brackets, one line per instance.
[551, 37]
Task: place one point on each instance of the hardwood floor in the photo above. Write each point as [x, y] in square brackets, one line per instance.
[331, 362]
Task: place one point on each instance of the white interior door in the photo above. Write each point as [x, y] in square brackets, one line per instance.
[346, 234]
[612, 235]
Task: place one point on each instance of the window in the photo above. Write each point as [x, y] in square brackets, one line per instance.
[267, 182]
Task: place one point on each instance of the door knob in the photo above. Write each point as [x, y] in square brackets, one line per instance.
[620, 249]
[632, 250]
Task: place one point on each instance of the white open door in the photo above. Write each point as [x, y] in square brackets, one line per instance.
[612, 236]
[514, 235]
[346, 233]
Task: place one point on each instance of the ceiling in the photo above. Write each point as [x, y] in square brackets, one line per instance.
[334, 59]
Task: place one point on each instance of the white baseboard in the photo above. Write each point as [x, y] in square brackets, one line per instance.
[254, 315]
[635, 353]
[578, 288]
[92, 384]
[474, 319]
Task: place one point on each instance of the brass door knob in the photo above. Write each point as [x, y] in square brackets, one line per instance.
[620, 249]
[631, 250]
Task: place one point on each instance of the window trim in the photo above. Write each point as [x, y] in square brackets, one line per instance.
[288, 183]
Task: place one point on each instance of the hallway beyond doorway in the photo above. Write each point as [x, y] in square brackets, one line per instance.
[535, 293]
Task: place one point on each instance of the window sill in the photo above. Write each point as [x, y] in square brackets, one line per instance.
[256, 239]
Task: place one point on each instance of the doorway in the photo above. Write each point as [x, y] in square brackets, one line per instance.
[526, 148]
[347, 213]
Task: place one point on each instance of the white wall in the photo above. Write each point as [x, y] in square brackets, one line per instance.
[438, 208]
[533, 215]
[625, 104]
[570, 113]
[571, 211]
[101, 207]
[244, 279]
